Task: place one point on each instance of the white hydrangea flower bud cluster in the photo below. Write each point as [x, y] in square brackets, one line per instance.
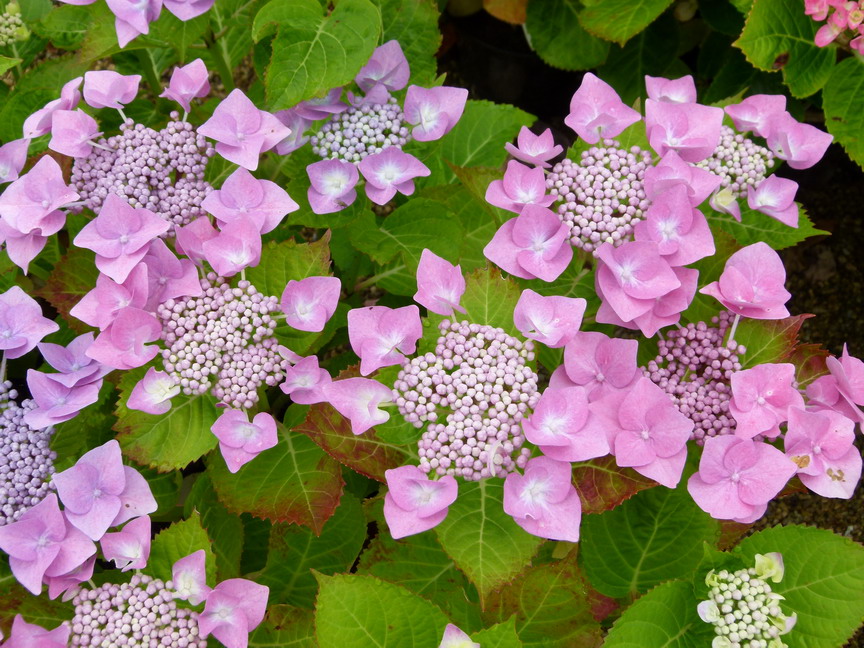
[742, 607]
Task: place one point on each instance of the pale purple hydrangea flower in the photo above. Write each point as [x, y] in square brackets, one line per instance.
[39, 123]
[390, 171]
[521, 185]
[534, 149]
[153, 393]
[305, 381]
[332, 185]
[596, 111]
[233, 609]
[128, 548]
[691, 130]
[456, 638]
[387, 67]
[756, 113]
[13, 157]
[55, 401]
[241, 440]
[189, 577]
[414, 503]
[843, 389]
[309, 303]
[440, 284]
[236, 247]
[762, 398]
[380, 335]
[598, 363]
[358, 400]
[30, 635]
[188, 82]
[775, 196]
[551, 320]
[563, 427]
[123, 343]
[167, 276]
[132, 17]
[244, 197]
[800, 145]
[682, 90]
[99, 307]
[73, 132]
[543, 501]
[109, 89]
[433, 111]
[22, 325]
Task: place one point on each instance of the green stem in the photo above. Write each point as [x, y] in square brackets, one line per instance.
[148, 66]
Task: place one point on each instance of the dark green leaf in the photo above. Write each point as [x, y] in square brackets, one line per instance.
[557, 36]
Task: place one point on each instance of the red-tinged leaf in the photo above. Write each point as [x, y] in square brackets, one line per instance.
[511, 11]
[730, 533]
[602, 485]
[72, 278]
[551, 604]
[810, 361]
[769, 340]
[295, 482]
[14, 599]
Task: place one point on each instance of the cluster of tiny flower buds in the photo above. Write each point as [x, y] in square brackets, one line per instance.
[843, 18]
[360, 131]
[141, 613]
[162, 171]
[694, 367]
[26, 458]
[739, 161]
[602, 196]
[226, 334]
[12, 28]
[479, 375]
[744, 610]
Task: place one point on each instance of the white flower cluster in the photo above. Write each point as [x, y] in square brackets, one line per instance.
[743, 609]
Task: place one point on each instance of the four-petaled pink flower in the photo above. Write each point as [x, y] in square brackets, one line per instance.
[189, 576]
[752, 284]
[600, 363]
[39, 123]
[41, 543]
[243, 197]
[167, 276]
[682, 90]
[543, 501]
[440, 284]
[560, 426]
[843, 389]
[380, 335]
[242, 131]
[414, 503]
[551, 320]
[357, 399]
[332, 185]
[22, 325]
[13, 157]
[55, 402]
[153, 393]
[681, 232]
[801, 145]
[775, 196]
[822, 446]
[72, 362]
[387, 67]
[240, 440]
[100, 306]
[235, 248]
[534, 149]
[738, 477]
[691, 130]
[762, 397]
[130, 547]
[433, 111]
[188, 82]
[534, 245]
[309, 303]
[646, 431]
[390, 171]
[597, 111]
[305, 380]
[232, 610]
[123, 343]
[672, 171]
[109, 89]
[72, 132]
[521, 185]
[191, 238]
[757, 112]
[133, 17]
[30, 635]
[120, 236]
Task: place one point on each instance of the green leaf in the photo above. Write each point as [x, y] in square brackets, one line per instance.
[225, 529]
[285, 627]
[490, 299]
[666, 616]
[823, 582]
[500, 635]
[7, 63]
[602, 485]
[166, 490]
[281, 262]
[555, 34]
[34, 10]
[354, 611]
[414, 23]
[620, 20]
[653, 537]
[168, 441]
[843, 103]
[17, 108]
[756, 226]
[232, 20]
[178, 541]
[779, 36]
[768, 340]
[295, 551]
[295, 482]
[171, 32]
[482, 539]
[65, 26]
[313, 53]
[551, 607]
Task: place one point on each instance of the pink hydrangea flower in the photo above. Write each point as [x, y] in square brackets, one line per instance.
[762, 398]
[522, 185]
[332, 185]
[133, 17]
[309, 303]
[298, 126]
[39, 123]
[123, 343]
[646, 431]
[738, 477]
[543, 500]
[30, 635]
[387, 67]
[242, 131]
[305, 380]
[440, 284]
[390, 171]
[13, 157]
[235, 248]
[322, 107]
[801, 145]
[120, 236]
[843, 389]
[240, 440]
[560, 426]
[243, 197]
[55, 401]
[188, 9]
[551, 320]
[534, 149]
[596, 111]
[816, 9]
[756, 113]
[534, 245]
[725, 202]
[357, 399]
[232, 610]
[681, 232]
[455, 638]
[598, 362]
[191, 238]
[100, 306]
[41, 543]
[380, 335]
[752, 284]
[433, 111]
[775, 196]
[188, 82]
[672, 171]
[189, 576]
[22, 325]
[110, 89]
[31, 202]
[414, 503]
[682, 90]
[829, 32]
[72, 132]
[153, 393]
[167, 276]
[691, 130]
[72, 362]
[822, 446]
[130, 547]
